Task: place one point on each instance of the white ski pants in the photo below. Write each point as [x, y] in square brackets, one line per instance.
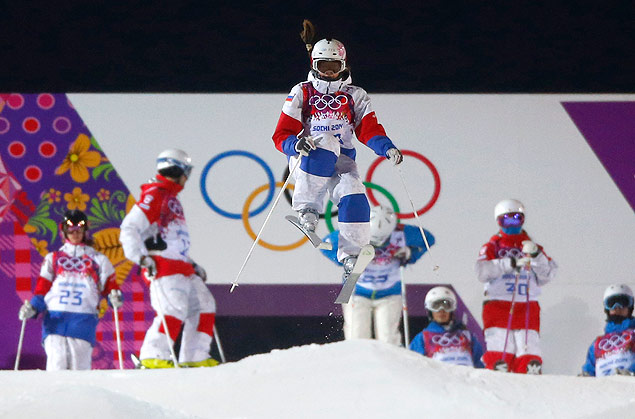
[326, 171]
[64, 353]
[361, 314]
[186, 302]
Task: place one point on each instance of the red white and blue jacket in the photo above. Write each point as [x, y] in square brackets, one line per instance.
[158, 216]
[452, 344]
[72, 281]
[493, 268]
[337, 108]
[612, 351]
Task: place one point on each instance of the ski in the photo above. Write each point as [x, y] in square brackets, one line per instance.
[315, 240]
[366, 255]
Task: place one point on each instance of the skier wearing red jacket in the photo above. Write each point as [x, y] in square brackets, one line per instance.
[514, 269]
[155, 236]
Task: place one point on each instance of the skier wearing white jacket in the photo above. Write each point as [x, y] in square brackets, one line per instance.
[514, 269]
[319, 120]
[376, 305]
[155, 236]
[72, 281]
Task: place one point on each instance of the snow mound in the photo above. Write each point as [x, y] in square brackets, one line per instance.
[361, 378]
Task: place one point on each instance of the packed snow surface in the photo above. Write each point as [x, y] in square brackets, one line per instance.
[349, 379]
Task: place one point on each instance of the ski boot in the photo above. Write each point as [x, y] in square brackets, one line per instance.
[501, 365]
[534, 367]
[307, 223]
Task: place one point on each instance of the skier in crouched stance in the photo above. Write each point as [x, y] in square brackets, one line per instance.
[72, 281]
[319, 120]
[445, 338]
[155, 236]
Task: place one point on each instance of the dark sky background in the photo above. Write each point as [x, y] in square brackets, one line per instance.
[438, 46]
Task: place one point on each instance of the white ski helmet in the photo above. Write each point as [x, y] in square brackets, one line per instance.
[440, 298]
[176, 160]
[328, 50]
[508, 205]
[383, 221]
[618, 293]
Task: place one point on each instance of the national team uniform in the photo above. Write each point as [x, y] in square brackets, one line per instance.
[377, 297]
[157, 223]
[493, 268]
[453, 345]
[71, 283]
[612, 351]
[344, 111]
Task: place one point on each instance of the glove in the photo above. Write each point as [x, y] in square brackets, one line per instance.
[508, 264]
[403, 254]
[395, 156]
[116, 299]
[530, 248]
[149, 264]
[200, 271]
[27, 311]
[623, 371]
[305, 145]
[523, 262]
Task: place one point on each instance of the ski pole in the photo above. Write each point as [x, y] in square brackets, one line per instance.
[119, 352]
[414, 211]
[253, 245]
[218, 345]
[404, 309]
[17, 356]
[528, 268]
[509, 318]
[154, 281]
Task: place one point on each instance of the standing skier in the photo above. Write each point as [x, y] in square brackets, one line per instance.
[614, 352]
[445, 338]
[155, 236]
[377, 298]
[72, 281]
[319, 120]
[514, 269]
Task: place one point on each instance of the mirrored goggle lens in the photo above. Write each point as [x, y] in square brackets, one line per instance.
[514, 219]
[447, 305]
[74, 227]
[618, 301]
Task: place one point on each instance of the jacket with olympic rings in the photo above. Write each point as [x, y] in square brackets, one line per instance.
[613, 350]
[71, 283]
[453, 344]
[336, 108]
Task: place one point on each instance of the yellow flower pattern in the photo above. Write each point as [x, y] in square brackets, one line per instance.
[79, 159]
[76, 199]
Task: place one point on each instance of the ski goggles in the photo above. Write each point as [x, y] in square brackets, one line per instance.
[70, 227]
[442, 304]
[511, 219]
[618, 301]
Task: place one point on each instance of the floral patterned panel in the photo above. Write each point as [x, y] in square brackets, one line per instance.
[50, 163]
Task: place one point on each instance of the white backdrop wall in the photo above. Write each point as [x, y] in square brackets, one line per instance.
[485, 147]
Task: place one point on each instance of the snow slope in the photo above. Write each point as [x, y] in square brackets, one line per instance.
[351, 379]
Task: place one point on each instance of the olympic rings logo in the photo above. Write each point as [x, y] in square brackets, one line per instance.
[615, 342]
[448, 339]
[271, 186]
[513, 252]
[175, 207]
[74, 263]
[324, 101]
